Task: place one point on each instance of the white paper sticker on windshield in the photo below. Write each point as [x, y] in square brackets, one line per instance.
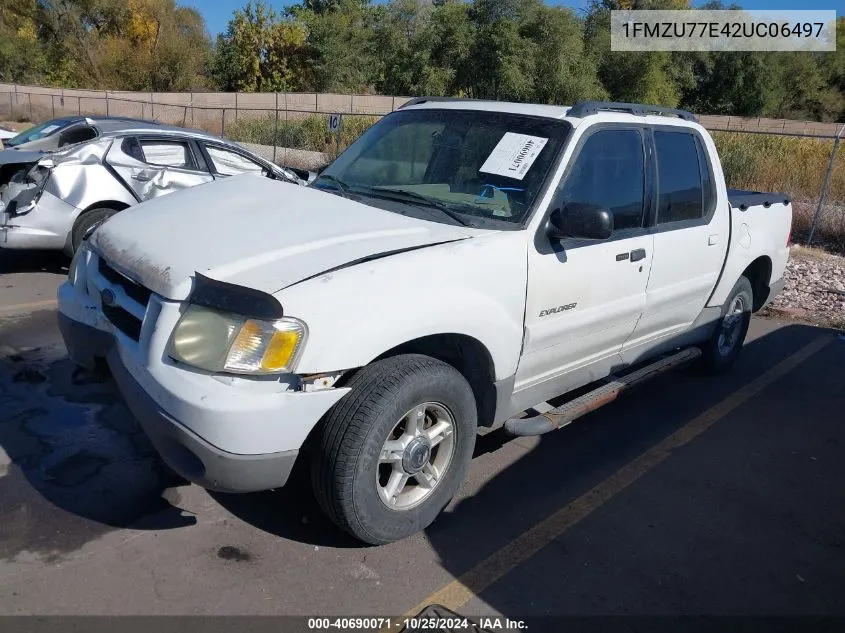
[48, 129]
[514, 155]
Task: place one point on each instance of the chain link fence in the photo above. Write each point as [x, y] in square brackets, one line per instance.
[798, 158]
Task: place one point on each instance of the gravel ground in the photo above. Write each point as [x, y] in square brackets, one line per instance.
[815, 288]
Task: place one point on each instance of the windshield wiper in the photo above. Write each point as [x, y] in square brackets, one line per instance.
[341, 186]
[405, 195]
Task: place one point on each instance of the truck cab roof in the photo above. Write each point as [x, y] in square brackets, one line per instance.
[574, 113]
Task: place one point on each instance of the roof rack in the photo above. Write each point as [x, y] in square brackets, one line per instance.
[419, 100]
[586, 108]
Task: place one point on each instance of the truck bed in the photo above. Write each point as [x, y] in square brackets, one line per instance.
[742, 199]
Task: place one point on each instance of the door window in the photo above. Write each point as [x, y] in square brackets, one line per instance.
[609, 172]
[228, 163]
[679, 178]
[167, 153]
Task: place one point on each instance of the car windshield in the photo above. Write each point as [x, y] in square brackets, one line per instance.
[39, 131]
[455, 166]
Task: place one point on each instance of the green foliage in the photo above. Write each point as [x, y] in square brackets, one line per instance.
[308, 132]
[260, 52]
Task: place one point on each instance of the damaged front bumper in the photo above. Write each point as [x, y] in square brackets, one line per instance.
[225, 433]
[30, 217]
[44, 223]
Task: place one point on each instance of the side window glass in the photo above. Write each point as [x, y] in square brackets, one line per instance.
[228, 163]
[679, 184]
[167, 153]
[609, 172]
[76, 134]
[131, 147]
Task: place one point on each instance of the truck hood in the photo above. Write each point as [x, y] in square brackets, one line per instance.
[254, 232]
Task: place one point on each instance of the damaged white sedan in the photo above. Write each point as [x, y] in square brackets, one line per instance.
[54, 201]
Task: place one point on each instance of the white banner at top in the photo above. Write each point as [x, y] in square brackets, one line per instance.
[739, 30]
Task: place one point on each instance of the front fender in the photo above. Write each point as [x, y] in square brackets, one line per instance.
[475, 287]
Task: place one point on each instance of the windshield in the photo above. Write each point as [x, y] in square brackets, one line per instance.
[39, 131]
[464, 166]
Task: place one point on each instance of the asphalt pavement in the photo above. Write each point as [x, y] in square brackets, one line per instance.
[689, 495]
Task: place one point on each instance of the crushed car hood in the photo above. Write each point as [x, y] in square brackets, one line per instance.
[255, 232]
[10, 156]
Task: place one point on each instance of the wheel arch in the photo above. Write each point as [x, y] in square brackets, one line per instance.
[466, 354]
[759, 273]
[116, 205]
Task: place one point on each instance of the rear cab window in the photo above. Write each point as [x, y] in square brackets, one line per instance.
[684, 181]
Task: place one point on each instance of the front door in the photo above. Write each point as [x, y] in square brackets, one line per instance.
[584, 297]
[155, 166]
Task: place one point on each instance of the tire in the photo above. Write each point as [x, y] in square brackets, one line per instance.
[724, 345]
[350, 482]
[87, 222]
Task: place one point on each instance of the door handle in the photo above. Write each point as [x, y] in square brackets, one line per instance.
[141, 178]
[712, 240]
[637, 254]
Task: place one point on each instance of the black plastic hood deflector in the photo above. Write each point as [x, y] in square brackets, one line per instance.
[227, 297]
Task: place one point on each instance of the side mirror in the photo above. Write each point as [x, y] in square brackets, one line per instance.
[576, 219]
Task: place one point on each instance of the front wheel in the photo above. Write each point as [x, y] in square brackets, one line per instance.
[723, 347]
[87, 224]
[394, 451]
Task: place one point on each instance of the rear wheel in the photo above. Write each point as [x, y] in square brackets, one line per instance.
[87, 224]
[720, 352]
[394, 451]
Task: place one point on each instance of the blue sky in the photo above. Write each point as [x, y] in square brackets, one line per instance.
[218, 12]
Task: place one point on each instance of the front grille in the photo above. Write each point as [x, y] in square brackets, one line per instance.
[133, 290]
[123, 321]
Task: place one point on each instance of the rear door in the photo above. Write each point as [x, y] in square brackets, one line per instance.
[690, 238]
[152, 166]
[585, 296]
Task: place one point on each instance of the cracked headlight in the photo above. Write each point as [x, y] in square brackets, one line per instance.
[220, 341]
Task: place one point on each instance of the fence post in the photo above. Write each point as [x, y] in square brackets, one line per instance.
[223, 123]
[107, 104]
[11, 105]
[192, 108]
[825, 184]
[53, 104]
[184, 116]
[29, 94]
[276, 128]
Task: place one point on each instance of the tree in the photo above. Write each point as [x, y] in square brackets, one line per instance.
[562, 70]
[340, 47]
[21, 57]
[261, 51]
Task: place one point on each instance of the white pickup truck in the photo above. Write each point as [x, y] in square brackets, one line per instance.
[460, 264]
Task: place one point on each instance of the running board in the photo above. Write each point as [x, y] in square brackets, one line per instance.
[567, 413]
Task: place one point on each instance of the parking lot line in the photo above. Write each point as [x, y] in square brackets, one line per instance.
[26, 307]
[458, 592]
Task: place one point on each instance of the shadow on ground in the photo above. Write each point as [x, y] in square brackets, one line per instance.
[33, 261]
[76, 463]
[744, 520]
